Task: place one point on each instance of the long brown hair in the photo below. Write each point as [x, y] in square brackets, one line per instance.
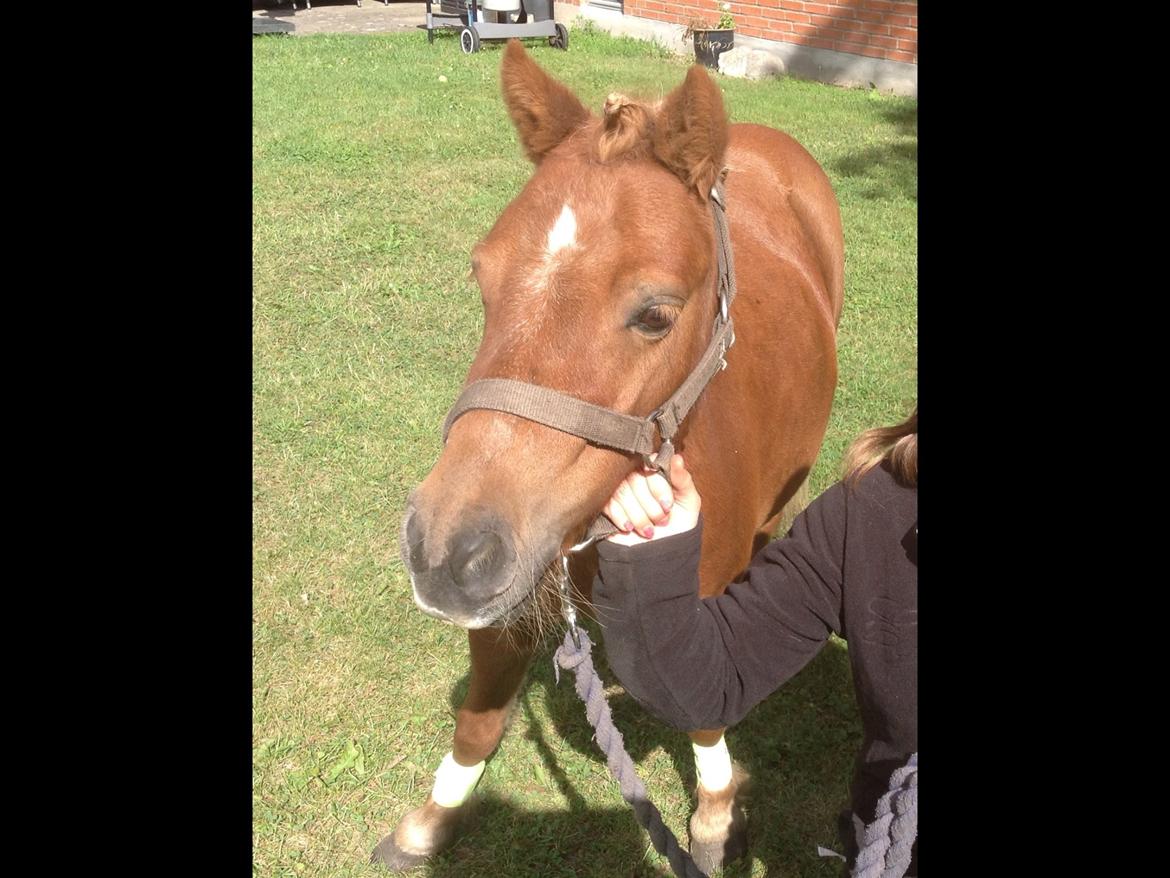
[896, 447]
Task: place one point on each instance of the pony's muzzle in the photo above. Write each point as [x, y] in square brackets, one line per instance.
[460, 578]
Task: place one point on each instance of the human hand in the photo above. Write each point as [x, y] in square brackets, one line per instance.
[644, 507]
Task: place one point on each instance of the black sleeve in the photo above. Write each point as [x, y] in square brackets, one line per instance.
[703, 664]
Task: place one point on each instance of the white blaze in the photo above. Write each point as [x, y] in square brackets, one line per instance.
[564, 231]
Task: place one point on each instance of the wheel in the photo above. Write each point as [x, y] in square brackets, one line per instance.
[468, 40]
[561, 40]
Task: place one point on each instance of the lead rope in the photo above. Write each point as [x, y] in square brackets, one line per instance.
[888, 842]
[574, 655]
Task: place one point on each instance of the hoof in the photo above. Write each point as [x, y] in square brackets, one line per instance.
[393, 857]
[716, 855]
[421, 834]
[719, 825]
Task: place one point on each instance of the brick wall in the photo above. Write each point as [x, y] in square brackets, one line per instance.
[874, 28]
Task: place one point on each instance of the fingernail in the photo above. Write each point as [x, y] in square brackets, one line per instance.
[627, 527]
[648, 532]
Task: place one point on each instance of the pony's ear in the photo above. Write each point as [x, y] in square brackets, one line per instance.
[543, 111]
[690, 134]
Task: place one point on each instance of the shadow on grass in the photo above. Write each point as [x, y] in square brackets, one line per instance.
[798, 745]
[507, 841]
[889, 170]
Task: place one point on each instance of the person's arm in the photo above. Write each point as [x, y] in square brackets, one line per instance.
[701, 664]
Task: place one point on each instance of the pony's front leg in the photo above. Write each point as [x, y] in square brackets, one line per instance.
[498, 665]
[719, 824]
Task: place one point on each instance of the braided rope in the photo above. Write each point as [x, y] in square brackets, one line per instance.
[590, 689]
[889, 840]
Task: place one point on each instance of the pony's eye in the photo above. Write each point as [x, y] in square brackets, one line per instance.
[655, 321]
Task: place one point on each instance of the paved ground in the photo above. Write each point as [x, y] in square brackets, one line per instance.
[338, 17]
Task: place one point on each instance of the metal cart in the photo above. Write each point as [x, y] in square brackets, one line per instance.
[479, 20]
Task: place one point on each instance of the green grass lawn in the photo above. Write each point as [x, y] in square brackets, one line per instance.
[372, 179]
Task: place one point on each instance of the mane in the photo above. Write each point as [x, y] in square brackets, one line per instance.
[625, 131]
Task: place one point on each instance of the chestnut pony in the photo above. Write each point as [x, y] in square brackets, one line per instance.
[599, 281]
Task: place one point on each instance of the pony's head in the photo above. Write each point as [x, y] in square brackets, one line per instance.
[598, 281]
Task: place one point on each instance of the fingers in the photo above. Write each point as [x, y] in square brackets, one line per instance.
[684, 485]
[653, 508]
[661, 492]
[637, 505]
[645, 504]
[616, 512]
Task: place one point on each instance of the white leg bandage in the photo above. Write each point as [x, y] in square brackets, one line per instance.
[454, 782]
[713, 765]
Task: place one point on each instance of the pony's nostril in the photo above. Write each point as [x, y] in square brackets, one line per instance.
[476, 565]
[476, 560]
